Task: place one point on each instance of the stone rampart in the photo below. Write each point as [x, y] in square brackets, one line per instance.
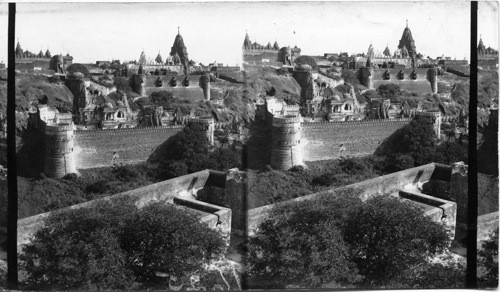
[183, 186]
[388, 184]
[421, 74]
[96, 148]
[193, 79]
[325, 140]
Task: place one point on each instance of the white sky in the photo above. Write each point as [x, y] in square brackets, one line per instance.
[215, 31]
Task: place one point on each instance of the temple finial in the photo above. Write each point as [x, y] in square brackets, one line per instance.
[407, 23]
[178, 30]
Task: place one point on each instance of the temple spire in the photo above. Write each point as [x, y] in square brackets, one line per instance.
[407, 23]
[178, 30]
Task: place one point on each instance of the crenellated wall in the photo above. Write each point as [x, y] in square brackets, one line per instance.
[324, 140]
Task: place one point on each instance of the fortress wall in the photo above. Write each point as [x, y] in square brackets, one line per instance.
[321, 141]
[184, 186]
[386, 184]
[257, 55]
[95, 148]
[191, 93]
[421, 74]
[419, 86]
[193, 79]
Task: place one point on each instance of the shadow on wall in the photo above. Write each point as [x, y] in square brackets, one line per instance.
[158, 153]
[259, 144]
[31, 152]
[400, 142]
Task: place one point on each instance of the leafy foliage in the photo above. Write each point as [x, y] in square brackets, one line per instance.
[449, 275]
[301, 244]
[390, 91]
[488, 258]
[271, 186]
[190, 151]
[342, 240]
[381, 243]
[41, 194]
[350, 77]
[416, 139]
[117, 246]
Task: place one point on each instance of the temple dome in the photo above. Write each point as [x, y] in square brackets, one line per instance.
[247, 44]
[408, 42]
[481, 49]
[276, 46]
[387, 52]
[180, 49]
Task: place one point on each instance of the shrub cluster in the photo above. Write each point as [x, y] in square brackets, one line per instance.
[118, 246]
[341, 241]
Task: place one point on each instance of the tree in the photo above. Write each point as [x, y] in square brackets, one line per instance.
[387, 236]
[118, 246]
[416, 139]
[488, 258]
[122, 84]
[301, 244]
[171, 168]
[350, 77]
[429, 275]
[397, 162]
[315, 243]
[390, 91]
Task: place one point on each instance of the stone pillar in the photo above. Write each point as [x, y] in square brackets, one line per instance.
[236, 197]
[205, 85]
[459, 188]
[432, 77]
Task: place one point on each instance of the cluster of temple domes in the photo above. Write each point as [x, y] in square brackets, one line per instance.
[27, 54]
[178, 54]
[248, 45]
[406, 47]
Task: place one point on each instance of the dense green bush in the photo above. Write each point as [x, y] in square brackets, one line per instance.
[350, 77]
[190, 151]
[416, 139]
[390, 91]
[449, 275]
[381, 242]
[342, 241]
[488, 259]
[171, 168]
[301, 244]
[271, 186]
[117, 246]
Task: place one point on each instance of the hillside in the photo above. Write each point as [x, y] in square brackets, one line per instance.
[30, 91]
